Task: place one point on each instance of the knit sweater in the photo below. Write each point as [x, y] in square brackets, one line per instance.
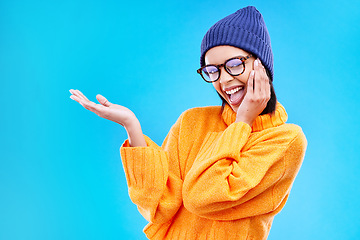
[214, 178]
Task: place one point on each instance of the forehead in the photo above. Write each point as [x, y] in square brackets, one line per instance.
[219, 54]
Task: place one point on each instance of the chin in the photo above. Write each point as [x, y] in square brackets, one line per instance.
[234, 108]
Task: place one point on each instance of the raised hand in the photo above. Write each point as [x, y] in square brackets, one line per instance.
[115, 113]
[257, 95]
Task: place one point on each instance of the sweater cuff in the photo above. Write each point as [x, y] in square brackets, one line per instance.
[140, 169]
[149, 143]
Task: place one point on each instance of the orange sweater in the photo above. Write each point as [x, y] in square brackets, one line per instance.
[213, 178]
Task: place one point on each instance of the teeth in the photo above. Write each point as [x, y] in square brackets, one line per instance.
[234, 90]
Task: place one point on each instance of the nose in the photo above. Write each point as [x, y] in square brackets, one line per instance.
[225, 76]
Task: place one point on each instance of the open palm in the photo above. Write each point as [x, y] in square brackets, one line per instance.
[105, 109]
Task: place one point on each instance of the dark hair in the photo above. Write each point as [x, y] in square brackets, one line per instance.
[271, 105]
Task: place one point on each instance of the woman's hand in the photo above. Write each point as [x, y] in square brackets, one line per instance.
[115, 113]
[106, 109]
[257, 95]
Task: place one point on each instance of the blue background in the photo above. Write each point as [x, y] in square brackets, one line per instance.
[60, 171]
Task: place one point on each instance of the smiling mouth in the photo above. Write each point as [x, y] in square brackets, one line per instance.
[232, 91]
[235, 95]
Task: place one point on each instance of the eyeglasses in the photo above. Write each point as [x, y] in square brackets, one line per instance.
[234, 66]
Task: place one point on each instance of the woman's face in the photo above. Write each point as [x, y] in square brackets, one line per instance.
[231, 88]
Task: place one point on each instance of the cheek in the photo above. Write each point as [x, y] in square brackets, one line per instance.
[217, 86]
[245, 76]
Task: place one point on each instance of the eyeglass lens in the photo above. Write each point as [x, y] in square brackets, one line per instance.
[233, 66]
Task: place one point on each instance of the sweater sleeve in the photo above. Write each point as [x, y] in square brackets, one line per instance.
[153, 177]
[232, 179]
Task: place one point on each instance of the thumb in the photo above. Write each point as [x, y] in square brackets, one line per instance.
[103, 100]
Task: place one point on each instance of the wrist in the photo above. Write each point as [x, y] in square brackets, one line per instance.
[244, 120]
[135, 134]
[132, 125]
[247, 122]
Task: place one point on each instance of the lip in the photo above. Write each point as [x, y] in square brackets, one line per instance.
[227, 96]
[232, 87]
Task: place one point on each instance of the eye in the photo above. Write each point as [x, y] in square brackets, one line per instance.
[233, 63]
[209, 70]
[235, 66]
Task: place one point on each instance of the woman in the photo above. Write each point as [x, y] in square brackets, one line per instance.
[222, 172]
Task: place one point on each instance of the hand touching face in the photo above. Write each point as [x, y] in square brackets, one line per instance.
[257, 95]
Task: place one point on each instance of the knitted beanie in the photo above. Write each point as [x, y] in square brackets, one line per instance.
[244, 29]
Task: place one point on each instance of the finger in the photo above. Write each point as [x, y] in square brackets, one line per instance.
[267, 89]
[265, 86]
[250, 83]
[76, 93]
[96, 108]
[258, 77]
[262, 80]
[103, 100]
[77, 99]
[82, 94]
[86, 104]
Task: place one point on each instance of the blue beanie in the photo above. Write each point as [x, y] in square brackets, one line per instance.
[243, 29]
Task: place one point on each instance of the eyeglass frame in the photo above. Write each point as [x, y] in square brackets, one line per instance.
[242, 59]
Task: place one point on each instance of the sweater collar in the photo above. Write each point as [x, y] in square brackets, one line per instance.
[261, 122]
